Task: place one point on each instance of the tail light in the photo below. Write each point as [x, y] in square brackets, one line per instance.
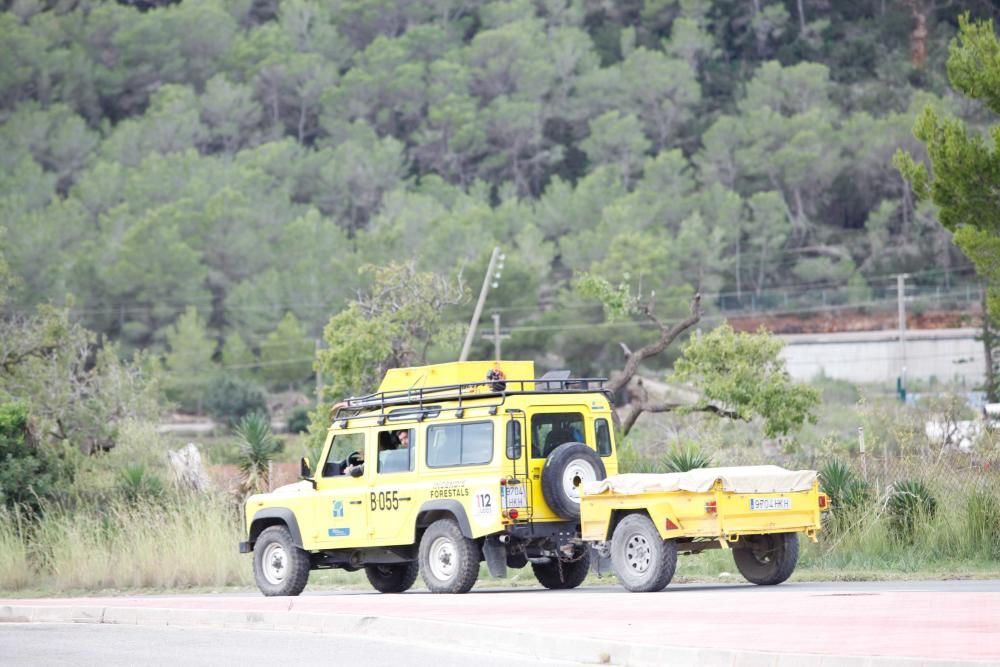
[824, 501]
[513, 514]
[711, 507]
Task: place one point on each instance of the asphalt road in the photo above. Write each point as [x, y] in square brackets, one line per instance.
[49, 644]
[841, 621]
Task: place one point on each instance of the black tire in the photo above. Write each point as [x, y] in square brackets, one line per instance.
[767, 560]
[568, 466]
[449, 561]
[517, 561]
[565, 575]
[286, 569]
[392, 578]
[642, 560]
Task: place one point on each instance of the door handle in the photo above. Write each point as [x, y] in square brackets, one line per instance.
[354, 502]
[402, 498]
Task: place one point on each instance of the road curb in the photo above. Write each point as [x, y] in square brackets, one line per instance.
[462, 635]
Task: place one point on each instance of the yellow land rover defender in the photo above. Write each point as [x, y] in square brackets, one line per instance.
[443, 467]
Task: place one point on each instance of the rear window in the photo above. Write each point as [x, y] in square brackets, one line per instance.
[603, 433]
[459, 444]
[549, 430]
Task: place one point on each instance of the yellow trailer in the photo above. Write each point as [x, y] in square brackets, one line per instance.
[643, 521]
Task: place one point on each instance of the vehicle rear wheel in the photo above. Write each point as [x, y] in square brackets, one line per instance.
[642, 560]
[279, 567]
[562, 575]
[767, 560]
[565, 470]
[392, 578]
[449, 561]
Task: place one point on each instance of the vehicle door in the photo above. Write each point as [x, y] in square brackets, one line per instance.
[340, 516]
[549, 427]
[392, 498]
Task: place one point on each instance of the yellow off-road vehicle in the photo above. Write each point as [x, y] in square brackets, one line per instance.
[443, 467]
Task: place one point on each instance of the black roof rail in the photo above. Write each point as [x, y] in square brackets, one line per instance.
[469, 391]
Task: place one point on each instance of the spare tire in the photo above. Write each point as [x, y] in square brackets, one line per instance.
[565, 470]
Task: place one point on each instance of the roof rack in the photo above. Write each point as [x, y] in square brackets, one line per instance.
[469, 391]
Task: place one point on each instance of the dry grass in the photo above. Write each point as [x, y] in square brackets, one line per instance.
[181, 542]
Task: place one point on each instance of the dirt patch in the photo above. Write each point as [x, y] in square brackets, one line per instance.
[852, 320]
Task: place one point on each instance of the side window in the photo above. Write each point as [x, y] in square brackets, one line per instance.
[459, 444]
[549, 430]
[396, 450]
[343, 445]
[603, 433]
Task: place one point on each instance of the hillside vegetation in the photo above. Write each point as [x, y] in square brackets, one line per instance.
[247, 157]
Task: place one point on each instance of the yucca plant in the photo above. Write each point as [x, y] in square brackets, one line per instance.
[135, 481]
[836, 478]
[257, 448]
[910, 501]
[689, 457]
[847, 491]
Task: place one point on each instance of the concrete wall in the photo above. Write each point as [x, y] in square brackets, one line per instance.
[876, 356]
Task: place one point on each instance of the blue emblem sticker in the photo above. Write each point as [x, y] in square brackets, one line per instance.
[338, 532]
[338, 509]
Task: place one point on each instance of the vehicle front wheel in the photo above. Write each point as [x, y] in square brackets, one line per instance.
[449, 561]
[562, 575]
[392, 578]
[767, 560]
[279, 567]
[642, 560]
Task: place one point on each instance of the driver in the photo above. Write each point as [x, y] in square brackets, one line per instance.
[355, 461]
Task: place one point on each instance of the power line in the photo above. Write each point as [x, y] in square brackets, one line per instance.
[118, 307]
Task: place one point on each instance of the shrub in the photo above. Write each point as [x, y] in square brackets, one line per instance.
[230, 398]
[910, 502]
[30, 471]
[298, 421]
[682, 459]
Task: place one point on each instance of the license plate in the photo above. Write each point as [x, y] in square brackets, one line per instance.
[765, 504]
[515, 495]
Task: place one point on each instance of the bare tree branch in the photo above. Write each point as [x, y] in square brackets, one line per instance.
[667, 336]
[639, 402]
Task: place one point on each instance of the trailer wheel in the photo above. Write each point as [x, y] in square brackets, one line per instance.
[642, 560]
[565, 470]
[556, 575]
[767, 560]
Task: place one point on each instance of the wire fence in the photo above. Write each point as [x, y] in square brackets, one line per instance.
[919, 299]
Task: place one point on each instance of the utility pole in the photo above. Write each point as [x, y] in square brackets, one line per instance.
[319, 376]
[496, 337]
[901, 305]
[487, 279]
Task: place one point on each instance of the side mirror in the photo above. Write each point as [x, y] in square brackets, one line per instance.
[357, 471]
[305, 470]
[514, 439]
